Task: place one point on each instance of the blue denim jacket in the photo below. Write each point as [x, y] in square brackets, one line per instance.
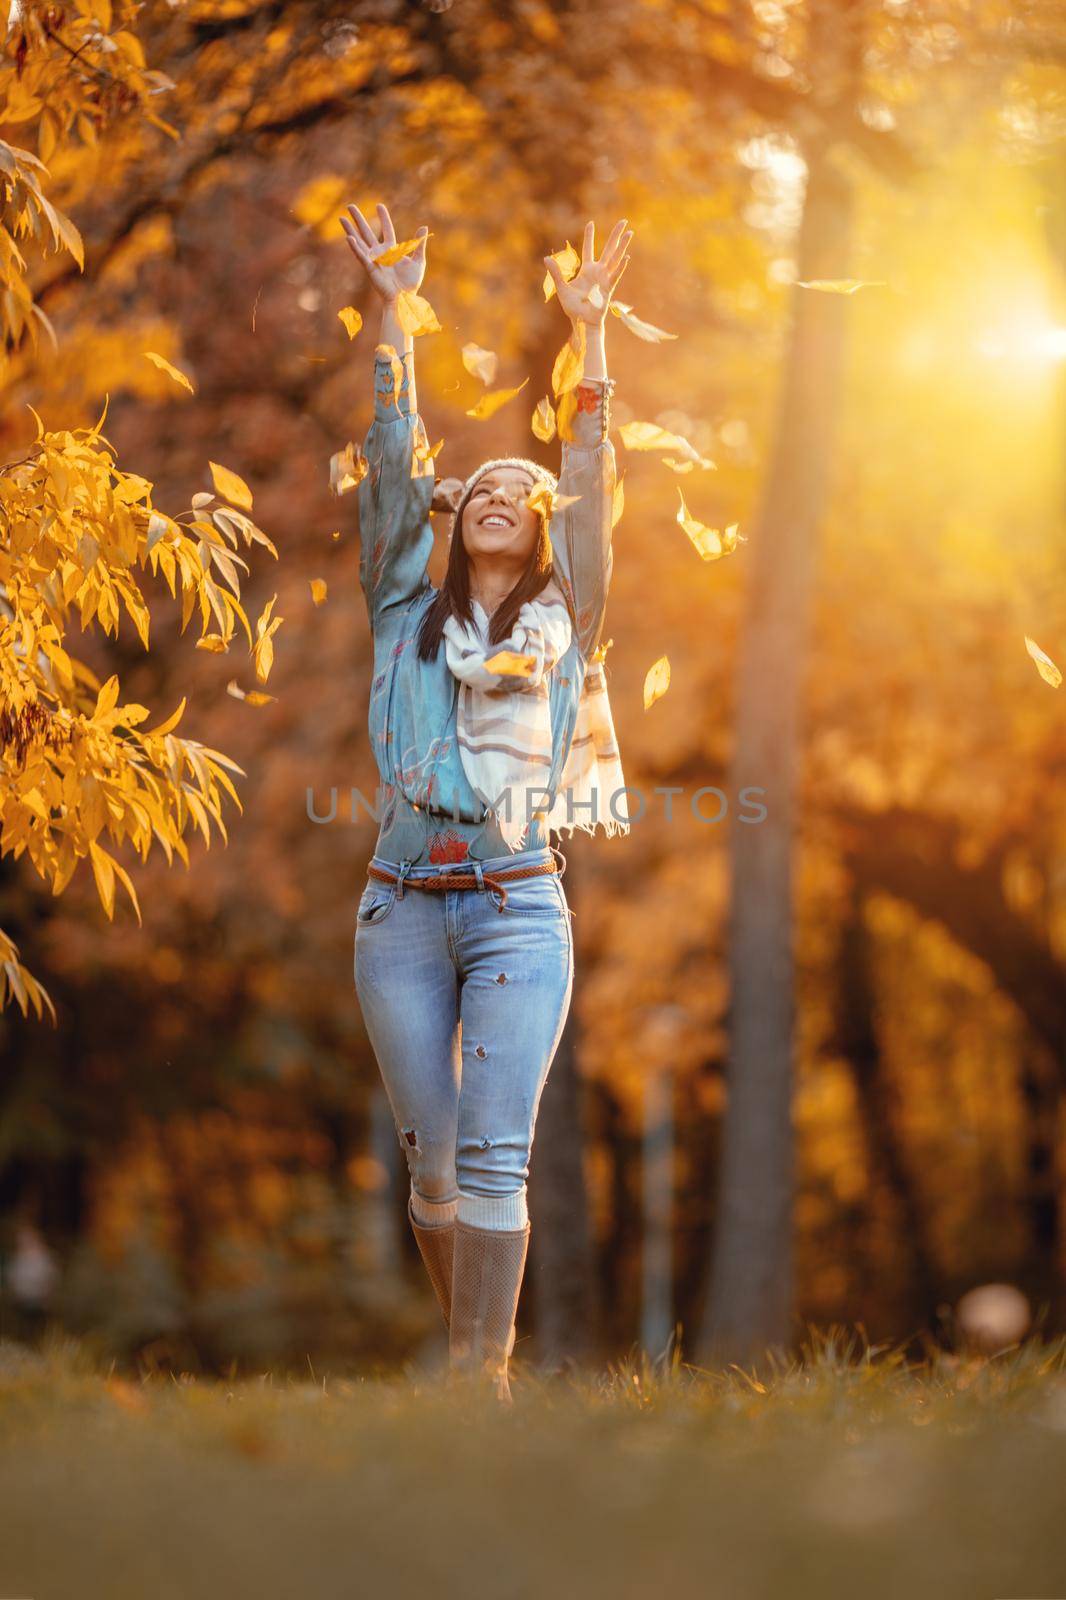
[412, 714]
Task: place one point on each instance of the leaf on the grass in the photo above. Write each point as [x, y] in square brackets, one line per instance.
[483, 364]
[569, 264]
[543, 423]
[230, 487]
[414, 314]
[319, 590]
[1044, 664]
[171, 372]
[708, 541]
[351, 319]
[509, 664]
[656, 681]
[253, 697]
[490, 403]
[396, 252]
[570, 362]
[840, 285]
[643, 330]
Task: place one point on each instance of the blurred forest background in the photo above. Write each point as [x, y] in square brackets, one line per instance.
[197, 1165]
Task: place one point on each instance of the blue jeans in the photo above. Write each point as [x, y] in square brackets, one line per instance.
[464, 1005]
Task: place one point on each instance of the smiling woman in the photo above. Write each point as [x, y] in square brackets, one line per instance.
[486, 693]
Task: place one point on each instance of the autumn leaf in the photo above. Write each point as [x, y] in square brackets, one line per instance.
[213, 642]
[489, 404]
[347, 470]
[1044, 664]
[483, 364]
[397, 252]
[570, 362]
[569, 263]
[230, 487]
[839, 285]
[649, 436]
[263, 649]
[351, 319]
[708, 541]
[543, 423]
[319, 590]
[171, 372]
[618, 502]
[565, 414]
[643, 330]
[546, 501]
[254, 697]
[656, 681]
[415, 314]
[509, 664]
[387, 352]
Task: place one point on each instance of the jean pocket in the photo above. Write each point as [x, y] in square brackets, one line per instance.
[375, 904]
[541, 896]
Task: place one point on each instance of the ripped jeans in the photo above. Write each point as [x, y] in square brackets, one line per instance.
[464, 1005]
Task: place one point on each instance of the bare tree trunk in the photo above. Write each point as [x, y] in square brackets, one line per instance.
[750, 1291]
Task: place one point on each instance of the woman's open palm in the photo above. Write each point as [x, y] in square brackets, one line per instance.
[587, 295]
[389, 281]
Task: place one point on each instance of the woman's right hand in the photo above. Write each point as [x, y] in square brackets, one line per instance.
[407, 273]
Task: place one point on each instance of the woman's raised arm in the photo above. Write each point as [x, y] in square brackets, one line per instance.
[395, 495]
[581, 533]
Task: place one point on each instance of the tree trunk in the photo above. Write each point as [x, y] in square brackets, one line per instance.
[750, 1291]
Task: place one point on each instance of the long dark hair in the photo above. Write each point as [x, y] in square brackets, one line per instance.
[453, 597]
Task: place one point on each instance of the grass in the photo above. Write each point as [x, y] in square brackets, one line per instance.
[848, 1473]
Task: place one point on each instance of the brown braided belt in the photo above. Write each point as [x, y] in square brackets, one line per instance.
[468, 880]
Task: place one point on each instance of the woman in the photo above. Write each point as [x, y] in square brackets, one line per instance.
[491, 725]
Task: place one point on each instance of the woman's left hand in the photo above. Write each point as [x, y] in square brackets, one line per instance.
[587, 295]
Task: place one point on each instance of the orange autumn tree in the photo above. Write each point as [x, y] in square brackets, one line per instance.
[79, 775]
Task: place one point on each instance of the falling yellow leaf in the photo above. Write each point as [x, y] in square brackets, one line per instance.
[254, 697]
[213, 642]
[546, 501]
[414, 314]
[643, 330]
[172, 372]
[839, 285]
[656, 681]
[690, 465]
[569, 264]
[229, 487]
[351, 319]
[397, 252]
[708, 541]
[1044, 664]
[319, 590]
[544, 421]
[565, 414]
[649, 436]
[347, 470]
[263, 649]
[484, 364]
[489, 404]
[570, 362]
[618, 504]
[509, 664]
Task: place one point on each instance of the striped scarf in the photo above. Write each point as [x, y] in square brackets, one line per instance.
[504, 726]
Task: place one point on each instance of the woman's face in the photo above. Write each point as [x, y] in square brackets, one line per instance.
[496, 521]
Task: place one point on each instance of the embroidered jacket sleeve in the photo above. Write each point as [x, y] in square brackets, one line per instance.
[581, 533]
[396, 536]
